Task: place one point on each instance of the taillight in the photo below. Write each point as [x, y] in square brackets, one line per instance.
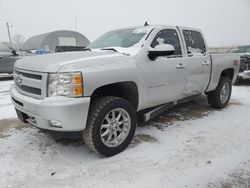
[236, 62]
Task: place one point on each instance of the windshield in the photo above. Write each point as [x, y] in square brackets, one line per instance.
[119, 38]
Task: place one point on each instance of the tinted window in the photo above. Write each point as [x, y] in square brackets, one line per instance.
[168, 36]
[194, 42]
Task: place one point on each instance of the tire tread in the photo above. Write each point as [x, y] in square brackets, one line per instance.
[214, 96]
[94, 111]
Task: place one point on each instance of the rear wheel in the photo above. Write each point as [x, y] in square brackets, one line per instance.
[111, 126]
[219, 98]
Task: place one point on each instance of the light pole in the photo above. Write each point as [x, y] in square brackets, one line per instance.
[8, 28]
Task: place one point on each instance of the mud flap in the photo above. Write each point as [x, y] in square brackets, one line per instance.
[21, 116]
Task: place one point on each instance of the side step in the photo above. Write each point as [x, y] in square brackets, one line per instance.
[151, 113]
[156, 111]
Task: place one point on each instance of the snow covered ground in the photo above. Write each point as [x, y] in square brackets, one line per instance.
[193, 145]
[6, 107]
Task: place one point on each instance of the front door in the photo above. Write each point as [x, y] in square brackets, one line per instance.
[165, 78]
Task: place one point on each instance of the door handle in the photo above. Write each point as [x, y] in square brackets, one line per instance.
[206, 63]
[180, 66]
[1, 57]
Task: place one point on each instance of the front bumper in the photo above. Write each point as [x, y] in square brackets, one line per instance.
[245, 74]
[71, 113]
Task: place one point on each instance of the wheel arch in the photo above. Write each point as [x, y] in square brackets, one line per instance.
[216, 76]
[127, 90]
[228, 73]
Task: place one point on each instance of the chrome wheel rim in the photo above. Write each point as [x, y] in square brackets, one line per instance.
[225, 91]
[115, 127]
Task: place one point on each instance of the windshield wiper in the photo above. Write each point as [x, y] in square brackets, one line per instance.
[112, 49]
[87, 49]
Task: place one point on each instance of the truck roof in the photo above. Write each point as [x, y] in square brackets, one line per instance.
[159, 26]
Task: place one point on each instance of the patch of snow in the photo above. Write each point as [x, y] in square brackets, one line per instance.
[142, 30]
[189, 153]
[6, 108]
[195, 51]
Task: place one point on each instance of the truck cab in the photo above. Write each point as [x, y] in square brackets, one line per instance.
[186, 71]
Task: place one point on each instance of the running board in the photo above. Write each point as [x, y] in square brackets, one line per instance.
[160, 109]
[156, 111]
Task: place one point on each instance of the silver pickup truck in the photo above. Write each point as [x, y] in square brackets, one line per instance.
[124, 72]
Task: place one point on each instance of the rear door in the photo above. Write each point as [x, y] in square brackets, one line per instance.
[197, 58]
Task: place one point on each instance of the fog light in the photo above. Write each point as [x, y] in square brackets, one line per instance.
[55, 123]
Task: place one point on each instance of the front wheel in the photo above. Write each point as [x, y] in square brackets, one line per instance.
[219, 98]
[111, 126]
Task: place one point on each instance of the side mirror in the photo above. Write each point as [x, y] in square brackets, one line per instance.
[161, 50]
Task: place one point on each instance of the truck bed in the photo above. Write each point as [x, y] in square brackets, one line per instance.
[220, 62]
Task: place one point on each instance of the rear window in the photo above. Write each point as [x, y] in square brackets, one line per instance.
[194, 43]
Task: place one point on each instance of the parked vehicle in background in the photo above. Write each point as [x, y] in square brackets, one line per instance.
[244, 72]
[34, 52]
[99, 91]
[240, 49]
[8, 57]
[58, 49]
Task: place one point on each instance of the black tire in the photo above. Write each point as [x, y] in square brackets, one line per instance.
[98, 111]
[214, 98]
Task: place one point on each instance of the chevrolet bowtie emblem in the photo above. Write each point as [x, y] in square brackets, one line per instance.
[19, 79]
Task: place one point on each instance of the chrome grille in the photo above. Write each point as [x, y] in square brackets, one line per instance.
[30, 83]
[28, 89]
[33, 76]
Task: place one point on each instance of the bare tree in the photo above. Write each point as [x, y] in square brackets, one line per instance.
[18, 41]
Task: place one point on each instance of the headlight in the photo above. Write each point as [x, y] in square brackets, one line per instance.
[65, 84]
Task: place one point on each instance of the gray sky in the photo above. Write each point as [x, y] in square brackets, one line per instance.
[224, 22]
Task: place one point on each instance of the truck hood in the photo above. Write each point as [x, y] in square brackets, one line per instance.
[53, 62]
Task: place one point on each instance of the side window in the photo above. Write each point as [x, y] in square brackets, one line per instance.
[194, 43]
[168, 36]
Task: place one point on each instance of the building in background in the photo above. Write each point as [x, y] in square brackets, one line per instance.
[52, 40]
